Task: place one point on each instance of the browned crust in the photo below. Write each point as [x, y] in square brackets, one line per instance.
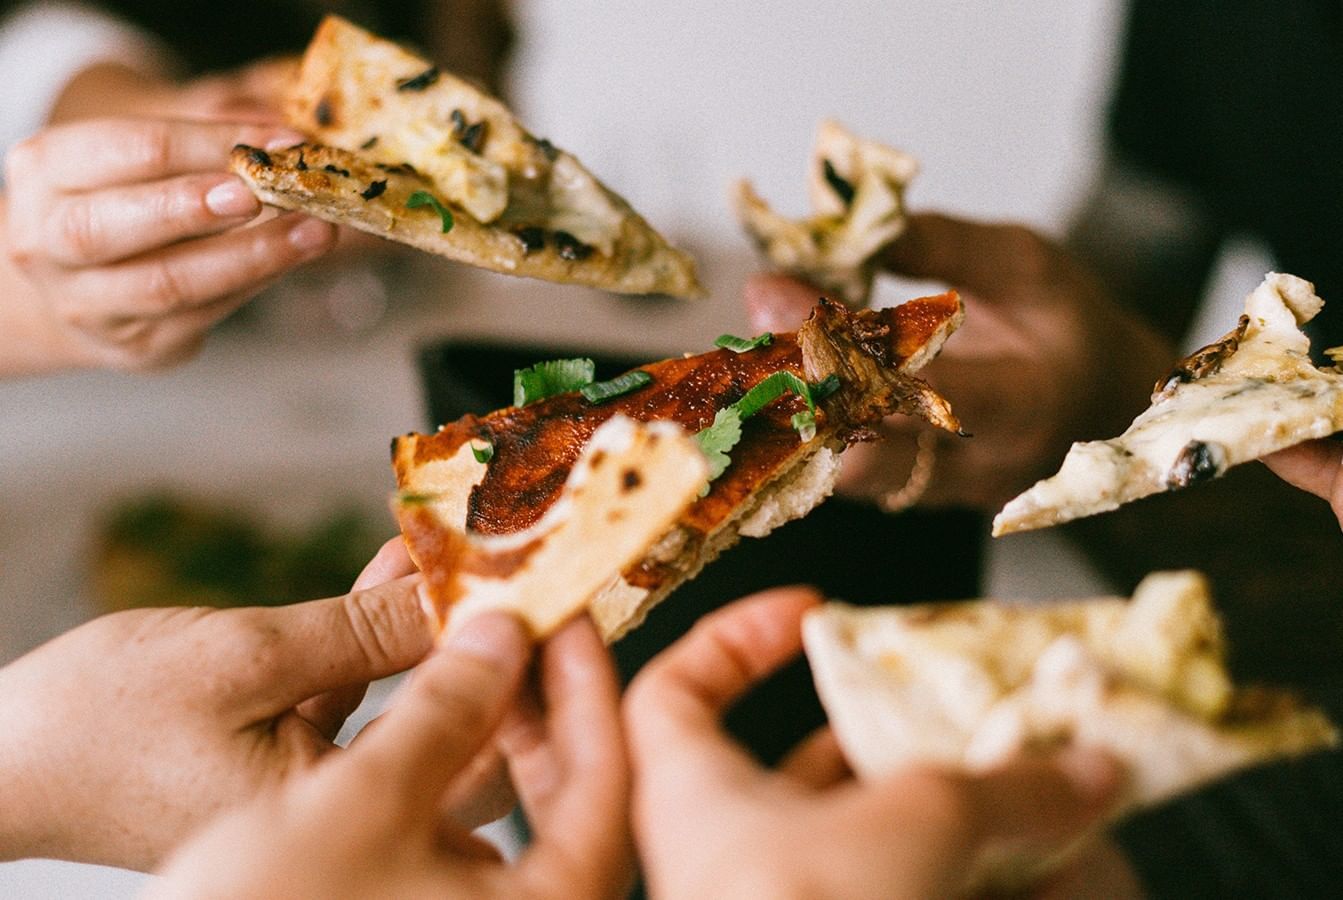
[299, 178]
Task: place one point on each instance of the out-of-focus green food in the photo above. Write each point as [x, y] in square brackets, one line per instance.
[168, 550]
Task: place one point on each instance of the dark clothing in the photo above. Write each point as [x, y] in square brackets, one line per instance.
[1238, 106]
[1240, 103]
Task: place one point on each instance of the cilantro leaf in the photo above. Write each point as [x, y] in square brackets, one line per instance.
[601, 391]
[740, 344]
[424, 198]
[718, 439]
[546, 379]
[805, 425]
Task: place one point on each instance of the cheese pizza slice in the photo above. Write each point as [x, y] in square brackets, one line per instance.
[969, 685]
[407, 151]
[857, 191]
[1253, 392]
[772, 415]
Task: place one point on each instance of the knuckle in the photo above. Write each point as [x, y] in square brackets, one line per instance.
[1031, 256]
[372, 626]
[149, 145]
[22, 161]
[163, 289]
[77, 233]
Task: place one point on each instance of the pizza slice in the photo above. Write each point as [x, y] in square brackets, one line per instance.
[626, 488]
[1250, 393]
[857, 191]
[772, 415]
[407, 151]
[969, 685]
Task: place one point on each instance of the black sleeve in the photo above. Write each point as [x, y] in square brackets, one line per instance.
[1275, 831]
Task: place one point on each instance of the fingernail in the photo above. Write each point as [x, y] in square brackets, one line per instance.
[231, 200]
[496, 637]
[284, 139]
[1094, 774]
[311, 235]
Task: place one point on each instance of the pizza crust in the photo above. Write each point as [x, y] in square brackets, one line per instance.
[971, 685]
[1249, 394]
[856, 188]
[521, 205]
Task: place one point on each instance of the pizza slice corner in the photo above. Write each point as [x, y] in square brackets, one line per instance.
[1252, 392]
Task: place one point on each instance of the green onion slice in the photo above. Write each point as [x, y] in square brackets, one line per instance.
[601, 391]
[546, 379]
[424, 198]
[740, 344]
[483, 454]
[771, 389]
[805, 425]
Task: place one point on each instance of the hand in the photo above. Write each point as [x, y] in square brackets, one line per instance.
[710, 821]
[1315, 467]
[369, 822]
[128, 732]
[1044, 358]
[252, 94]
[126, 241]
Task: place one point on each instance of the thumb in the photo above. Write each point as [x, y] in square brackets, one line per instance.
[777, 302]
[315, 647]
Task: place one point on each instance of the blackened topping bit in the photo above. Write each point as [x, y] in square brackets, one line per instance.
[549, 150]
[418, 82]
[570, 247]
[302, 164]
[374, 190]
[336, 170]
[838, 183]
[256, 155]
[533, 239]
[1198, 461]
[323, 112]
[472, 137]
[404, 168]
[369, 144]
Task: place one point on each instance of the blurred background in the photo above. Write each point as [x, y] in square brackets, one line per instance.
[274, 441]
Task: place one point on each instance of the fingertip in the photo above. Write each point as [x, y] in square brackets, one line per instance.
[494, 637]
[392, 561]
[231, 199]
[777, 302]
[1094, 775]
[312, 237]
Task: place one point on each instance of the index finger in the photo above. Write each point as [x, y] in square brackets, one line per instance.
[676, 702]
[85, 155]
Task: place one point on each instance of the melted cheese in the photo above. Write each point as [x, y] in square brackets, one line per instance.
[1266, 396]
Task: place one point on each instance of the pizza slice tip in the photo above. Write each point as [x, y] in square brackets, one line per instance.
[1252, 392]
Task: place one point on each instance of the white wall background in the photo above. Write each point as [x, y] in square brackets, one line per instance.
[667, 101]
[672, 101]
